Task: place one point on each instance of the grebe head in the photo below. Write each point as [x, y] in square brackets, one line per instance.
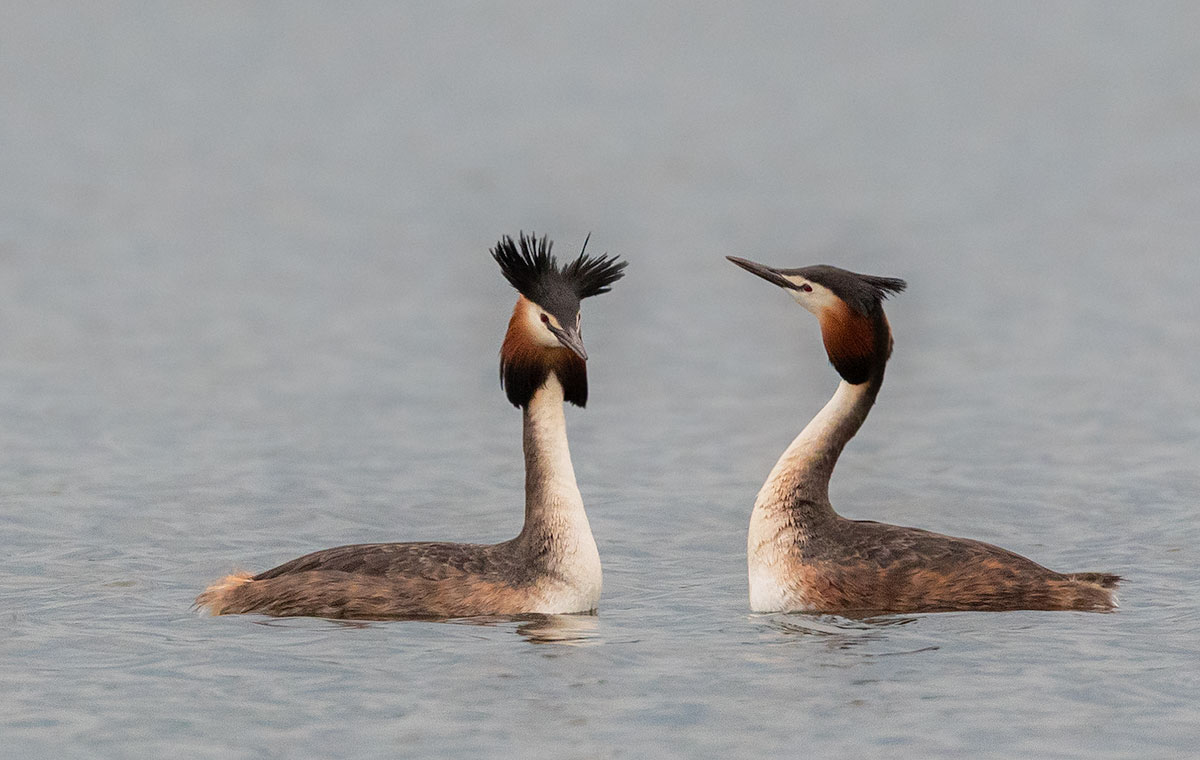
[849, 307]
[544, 332]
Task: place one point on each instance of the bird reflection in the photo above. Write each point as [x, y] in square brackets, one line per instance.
[836, 631]
[574, 629]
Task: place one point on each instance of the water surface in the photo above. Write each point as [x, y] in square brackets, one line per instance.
[246, 312]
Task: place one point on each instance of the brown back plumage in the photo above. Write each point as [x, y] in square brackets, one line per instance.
[384, 581]
[871, 566]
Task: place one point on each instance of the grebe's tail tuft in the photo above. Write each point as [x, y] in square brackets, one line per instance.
[216, 597]
[1103, 580]
[1093, 591]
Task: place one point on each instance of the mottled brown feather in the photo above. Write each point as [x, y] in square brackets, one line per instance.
[862, 565]
[213, 597]
[387, 581]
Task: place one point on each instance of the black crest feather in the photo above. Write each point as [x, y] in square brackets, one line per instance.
[529, 266]
[885, 286]
[523, 267]
[593, 275]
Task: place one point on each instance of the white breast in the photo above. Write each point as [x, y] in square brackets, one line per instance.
[577, 580]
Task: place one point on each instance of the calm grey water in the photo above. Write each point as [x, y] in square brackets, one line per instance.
[246, 312]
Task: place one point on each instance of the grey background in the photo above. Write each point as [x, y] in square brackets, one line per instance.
[246, 312]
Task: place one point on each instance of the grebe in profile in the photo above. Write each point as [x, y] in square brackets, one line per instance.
[552, 566]
[803, 556]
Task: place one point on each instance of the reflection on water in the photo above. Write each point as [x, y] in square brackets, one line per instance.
[819, 624]
[838, 632]
[308, 623]
[560, 629]
[574, 629]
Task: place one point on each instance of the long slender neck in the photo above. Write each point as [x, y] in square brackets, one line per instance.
[799, 482]
[553, 505]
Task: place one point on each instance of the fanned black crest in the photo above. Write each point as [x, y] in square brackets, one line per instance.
[525, 267]
[531, 268]
[593, 275]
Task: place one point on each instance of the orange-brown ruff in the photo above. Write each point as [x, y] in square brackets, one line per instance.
[552, 566]
[803, 556]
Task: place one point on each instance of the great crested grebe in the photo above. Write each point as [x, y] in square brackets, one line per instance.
[803, 556]
[552, 566]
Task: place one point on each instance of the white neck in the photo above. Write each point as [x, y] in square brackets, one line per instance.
[801, 476]
[550, 489]
[793, 504]
[556, 526]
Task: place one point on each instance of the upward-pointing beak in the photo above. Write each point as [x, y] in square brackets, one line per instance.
[570, 338]
[770, 274]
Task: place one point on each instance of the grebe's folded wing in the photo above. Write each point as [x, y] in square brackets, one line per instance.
[895, 547]
[429, 560]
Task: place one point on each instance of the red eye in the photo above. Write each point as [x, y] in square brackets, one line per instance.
[806, 287]
[546, 320]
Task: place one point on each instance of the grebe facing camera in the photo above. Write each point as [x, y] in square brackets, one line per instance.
[552, 566]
